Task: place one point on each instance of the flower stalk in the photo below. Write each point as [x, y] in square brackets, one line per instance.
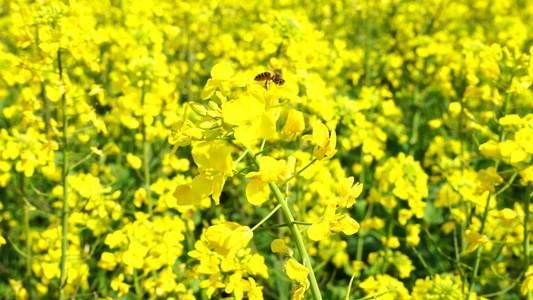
[146, 162]
[26, 220]
[293, 227]
[527, 200]
[66, 208]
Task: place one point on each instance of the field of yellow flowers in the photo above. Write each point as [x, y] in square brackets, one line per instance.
[140, 158]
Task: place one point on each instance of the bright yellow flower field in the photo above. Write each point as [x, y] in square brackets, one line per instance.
[266, 149]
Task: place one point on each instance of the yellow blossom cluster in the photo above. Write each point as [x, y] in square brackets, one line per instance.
[266, 149]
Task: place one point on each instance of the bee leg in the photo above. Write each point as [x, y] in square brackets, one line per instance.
[266, 81]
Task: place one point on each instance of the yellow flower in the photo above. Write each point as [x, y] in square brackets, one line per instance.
[117, 284]
[135, 255]
[511, 120]
[511, 152]
[294, 125]
[325, 144]
[490, 176]
[330, 221]
[180, 132]
[134, 161]
[296, 271]
[251, 118]
[454, 108]
[435, 123]
[96, 151]
[392, 242]
[255, 292]
[474, 238]
[349, 192]
[19, 289]
[27, 163]
[507, 214]
[299, 292]
[214, 165]
[278, 246]
[139, 197]
[270, 170]
[527, 285]
[524, 138]
[228, 238]
[490, 149]
[413, 237]
[108, 261]
[527, 174]
[404, 215]
[319, 230]
[221, 74]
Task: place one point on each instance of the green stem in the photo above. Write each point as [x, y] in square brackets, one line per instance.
[298, 239]
[297, 173]
[368, 48]
[146, 163]
[416, 120]
[46, 102]
[478, 251]
[360, 234]
[423, 261]
[378, 295]
[17, 249]
[349, 287]
[28, 275]
[239, 159]
[526, 233]
[267, 217]
[268, 148]
[66, 208]
[76, 164]
[136, 285]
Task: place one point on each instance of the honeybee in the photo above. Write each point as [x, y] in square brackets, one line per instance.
[266, 76]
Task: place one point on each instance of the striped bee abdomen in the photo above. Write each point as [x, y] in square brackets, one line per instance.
[263, 76]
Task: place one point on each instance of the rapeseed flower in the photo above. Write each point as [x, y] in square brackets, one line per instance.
[228, 238]
[215, 164]
[325, 143]
[294, 125]
[251, 117]
[270, 170]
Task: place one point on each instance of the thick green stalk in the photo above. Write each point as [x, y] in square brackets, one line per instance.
[66, 211]
[360, 234]
[28, 275]
[315, 290]
[267, 217]
[138, 292]
[46, 102]
[526, 233]
[146, 148]
[478, 251]
[147, 175]
[368, 48]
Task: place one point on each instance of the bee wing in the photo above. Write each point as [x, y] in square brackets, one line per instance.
[272, 68]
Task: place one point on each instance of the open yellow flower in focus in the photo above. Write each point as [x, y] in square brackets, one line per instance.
[294, 125]
[325, 144]
[228, 238]
[297, 271]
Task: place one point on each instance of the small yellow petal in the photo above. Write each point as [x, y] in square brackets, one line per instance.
[96, 151]
[278, 246]
[319, 230]
[222, 71]
[257, 191]
[296, 271]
